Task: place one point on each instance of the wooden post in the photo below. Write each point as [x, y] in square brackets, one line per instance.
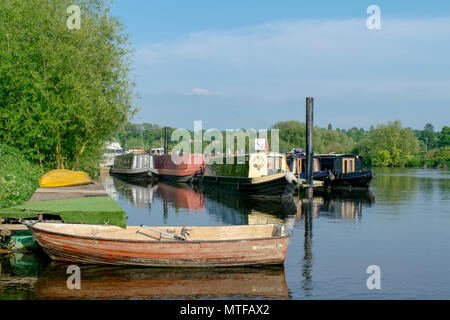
[166, 141]
[309, 144]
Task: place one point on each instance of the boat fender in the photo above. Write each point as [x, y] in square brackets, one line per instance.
[289, 177]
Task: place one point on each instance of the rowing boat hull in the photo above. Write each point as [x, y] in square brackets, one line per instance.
[89, 250]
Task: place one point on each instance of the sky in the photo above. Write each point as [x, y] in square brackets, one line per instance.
[250, 64]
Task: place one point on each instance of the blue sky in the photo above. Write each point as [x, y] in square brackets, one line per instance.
[252, 63]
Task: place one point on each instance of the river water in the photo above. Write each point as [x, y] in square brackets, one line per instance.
[401, 225]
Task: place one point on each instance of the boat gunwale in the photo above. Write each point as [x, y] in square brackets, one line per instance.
[287, 235]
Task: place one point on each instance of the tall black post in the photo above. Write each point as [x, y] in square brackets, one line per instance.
[309, 143]
[166, 141]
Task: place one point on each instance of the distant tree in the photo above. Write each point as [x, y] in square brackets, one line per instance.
[293, 135]
[428, 127]
[444, 137]
[330, 127]
[388, 144]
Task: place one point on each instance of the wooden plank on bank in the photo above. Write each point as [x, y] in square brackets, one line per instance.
[94, 189]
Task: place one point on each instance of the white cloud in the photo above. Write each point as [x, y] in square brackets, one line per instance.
[204, 92]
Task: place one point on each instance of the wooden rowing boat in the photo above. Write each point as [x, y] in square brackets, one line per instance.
[211, 246]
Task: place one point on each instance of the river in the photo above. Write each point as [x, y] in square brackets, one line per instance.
[401, 225]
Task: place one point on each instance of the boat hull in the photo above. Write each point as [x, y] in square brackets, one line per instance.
[226, 253]
[352, 180]
[276, 186]
[185, 171]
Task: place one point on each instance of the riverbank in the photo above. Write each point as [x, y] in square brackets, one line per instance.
[18, 177]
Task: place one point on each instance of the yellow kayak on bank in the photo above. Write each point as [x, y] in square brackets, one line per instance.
[64, 178]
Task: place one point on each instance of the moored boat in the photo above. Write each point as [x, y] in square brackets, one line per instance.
[134, 166]
[339, 171]
[261, 174]
[185, 170]
[211, 246]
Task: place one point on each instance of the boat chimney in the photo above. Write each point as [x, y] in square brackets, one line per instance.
[309, 144]
[166, 147]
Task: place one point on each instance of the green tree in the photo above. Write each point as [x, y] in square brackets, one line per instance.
[63, 92]
[390, 139]
[444, 137]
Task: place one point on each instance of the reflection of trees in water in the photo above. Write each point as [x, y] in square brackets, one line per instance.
[394, 185]
[444, 186]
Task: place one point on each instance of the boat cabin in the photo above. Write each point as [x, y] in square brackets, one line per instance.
[251, 165]
[340, 163]
[297, 165]
[134, 161]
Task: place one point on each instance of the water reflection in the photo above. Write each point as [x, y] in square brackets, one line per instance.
[104, 282]
[233, 209]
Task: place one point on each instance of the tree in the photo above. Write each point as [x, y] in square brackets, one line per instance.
[63, 92]
[388, 145]
[444, 137]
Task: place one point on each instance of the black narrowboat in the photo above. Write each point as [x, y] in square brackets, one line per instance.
[347, 170]
[343, 171]
[134, 167]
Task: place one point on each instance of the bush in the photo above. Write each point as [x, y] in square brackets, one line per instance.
[18, 177]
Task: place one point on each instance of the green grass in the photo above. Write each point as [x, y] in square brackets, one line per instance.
[18, 177]
[95, 210]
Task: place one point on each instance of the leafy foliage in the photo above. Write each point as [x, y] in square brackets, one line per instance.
[62, 92]
[388, 145]
[18, 177]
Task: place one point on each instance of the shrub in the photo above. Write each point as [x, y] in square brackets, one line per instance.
[18, 177]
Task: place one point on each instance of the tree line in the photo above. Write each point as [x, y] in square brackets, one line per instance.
[384, 145]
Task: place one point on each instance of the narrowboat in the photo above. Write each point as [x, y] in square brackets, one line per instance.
[347, 171]
[134, 166]
[260, 174]
[335, 170]
[185, 170]
[164, 246]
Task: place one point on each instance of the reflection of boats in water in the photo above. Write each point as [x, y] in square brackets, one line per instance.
[247, 210]
[338, 204]
[19, 274]
[150, 283]
[139, 194]
[180, 195]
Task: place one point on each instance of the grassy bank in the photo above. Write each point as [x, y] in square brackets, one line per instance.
[18, 177]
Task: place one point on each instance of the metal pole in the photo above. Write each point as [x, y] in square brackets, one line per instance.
[309, 143]
[166, 145]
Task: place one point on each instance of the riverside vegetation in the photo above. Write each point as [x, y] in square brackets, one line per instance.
[386, 145]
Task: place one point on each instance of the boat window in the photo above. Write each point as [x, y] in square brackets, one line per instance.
[345, 166]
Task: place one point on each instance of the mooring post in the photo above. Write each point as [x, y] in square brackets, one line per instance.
[166, 145]
[309, 145]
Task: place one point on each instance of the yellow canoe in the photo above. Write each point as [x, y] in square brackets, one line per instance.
[64, 178]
